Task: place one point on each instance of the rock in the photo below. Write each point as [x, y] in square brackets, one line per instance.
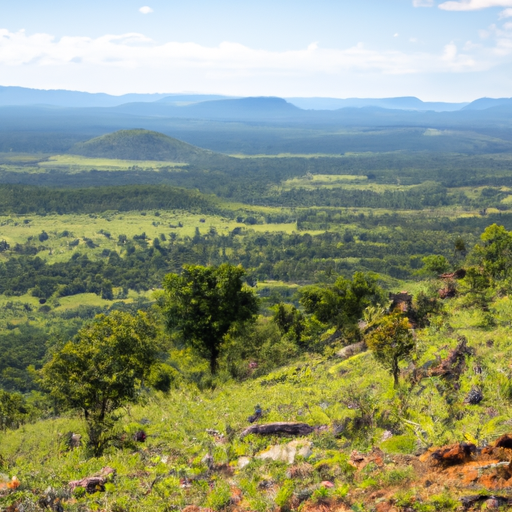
[504, 441]
[287, 452]
[475, 396]
[327, 484]
[140, 436]
[454, 454]
[208, 461]
[386, 435]
[351, 350]
[291, 429]
[243, 462]
[492, 503]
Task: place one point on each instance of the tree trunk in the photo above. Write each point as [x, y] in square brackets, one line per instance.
[214, 355]
[291, 429]
[396, 373]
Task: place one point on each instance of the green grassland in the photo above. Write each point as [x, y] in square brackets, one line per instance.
[80, 163]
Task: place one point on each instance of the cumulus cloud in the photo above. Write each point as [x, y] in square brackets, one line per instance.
[473, 5]
[507, 13]
[135, 51]
[422, 3]
[145, 10]
[132, 61]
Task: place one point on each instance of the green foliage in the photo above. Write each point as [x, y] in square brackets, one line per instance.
[163, 377]
[342, 304]
[400, 444]
[434, 265]
[391, 341]
[99, 370]
[285, 494]
[219, 497]
[204, 303]
[495, 252]
[13, 410]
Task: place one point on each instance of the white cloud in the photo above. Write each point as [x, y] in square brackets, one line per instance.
[473, 5]
[135, 51]
[134, 62]
[396, 34]
[507, 13]
[145, 10]
[422, 3]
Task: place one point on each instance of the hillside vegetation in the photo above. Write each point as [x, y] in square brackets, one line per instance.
[185, 330]
[140, 145]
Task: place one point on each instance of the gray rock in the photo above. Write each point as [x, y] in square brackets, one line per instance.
[287, 452]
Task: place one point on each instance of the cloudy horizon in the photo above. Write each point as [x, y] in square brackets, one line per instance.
[438, 51]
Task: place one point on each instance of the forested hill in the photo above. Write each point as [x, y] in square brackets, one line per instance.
[142, 145]
[26, 199]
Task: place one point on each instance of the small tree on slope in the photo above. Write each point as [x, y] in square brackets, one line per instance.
[100, 370]
[391, 341]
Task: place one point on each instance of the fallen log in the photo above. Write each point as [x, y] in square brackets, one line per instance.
[94, 483]
[290, 429]
[492, 501]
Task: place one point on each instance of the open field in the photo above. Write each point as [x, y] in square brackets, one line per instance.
[79, 163]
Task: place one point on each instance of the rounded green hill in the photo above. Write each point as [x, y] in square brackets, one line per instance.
[140, 145]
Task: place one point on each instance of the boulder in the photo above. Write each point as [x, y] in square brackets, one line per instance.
[287, 452]
[454, 454]
[351, 350]
[243, 462]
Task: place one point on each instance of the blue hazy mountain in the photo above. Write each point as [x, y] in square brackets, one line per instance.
[259, 108]
[10, 96]
[485, 103]
[402, 103]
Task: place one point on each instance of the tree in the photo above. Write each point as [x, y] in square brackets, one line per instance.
[290, 320]
[434, 265]
[13, 410]
[204, 303]
[391, 341]
[101, 369]
[494, 255]
[343, 303]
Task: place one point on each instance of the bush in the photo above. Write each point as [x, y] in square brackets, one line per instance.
[164, 377]
[399, 444]
[219, 497]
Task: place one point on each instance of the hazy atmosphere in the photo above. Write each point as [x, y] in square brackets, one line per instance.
[438, 51]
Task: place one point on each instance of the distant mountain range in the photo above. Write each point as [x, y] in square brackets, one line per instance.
[219, 105]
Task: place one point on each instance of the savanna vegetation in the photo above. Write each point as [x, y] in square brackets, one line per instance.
[143, 323]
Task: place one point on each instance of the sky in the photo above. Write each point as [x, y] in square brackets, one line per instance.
[437, 50]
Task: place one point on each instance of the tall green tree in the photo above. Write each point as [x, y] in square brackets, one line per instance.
[494, 254]
[391, 340]
[203, 303]
[102, 368]
[343, 303]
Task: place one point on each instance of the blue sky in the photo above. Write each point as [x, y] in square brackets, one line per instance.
[437, 50]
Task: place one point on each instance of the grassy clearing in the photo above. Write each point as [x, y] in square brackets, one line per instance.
[66, 229]
[79, 163]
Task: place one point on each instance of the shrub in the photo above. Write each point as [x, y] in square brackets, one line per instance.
[399, 444]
